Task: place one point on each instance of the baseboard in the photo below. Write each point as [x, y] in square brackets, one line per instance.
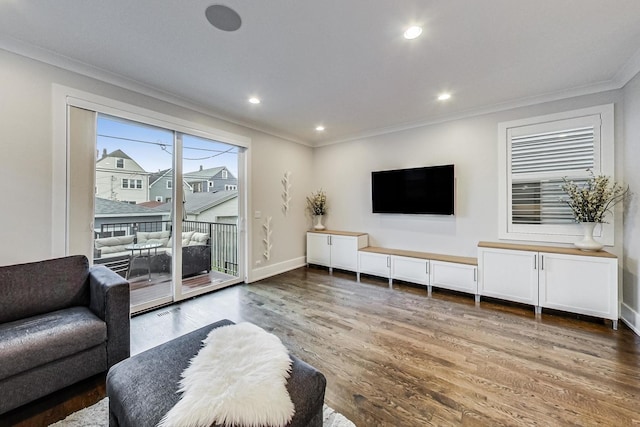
[274, 269]
[630, 317]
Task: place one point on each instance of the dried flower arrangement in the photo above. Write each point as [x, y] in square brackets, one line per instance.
[317, 203]
[591, 201]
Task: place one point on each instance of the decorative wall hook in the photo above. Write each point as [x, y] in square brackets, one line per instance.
[286, 191]
[267, 238]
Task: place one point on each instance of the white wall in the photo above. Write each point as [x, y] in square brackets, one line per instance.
[631, 270]
[26, 174]
[344, 170]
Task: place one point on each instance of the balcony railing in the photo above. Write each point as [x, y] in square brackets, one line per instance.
[223, 238]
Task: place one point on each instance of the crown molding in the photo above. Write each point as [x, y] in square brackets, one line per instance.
[63, 62]
[495, 108]
[628, 71]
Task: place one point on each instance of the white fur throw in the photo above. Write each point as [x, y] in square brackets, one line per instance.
[239, 378]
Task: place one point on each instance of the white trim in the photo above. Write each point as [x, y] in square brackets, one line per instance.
[63, 96]
[630, 317]
[622, 77]
[559, 233]
[275, 269]
[628, 70]
[42, 55]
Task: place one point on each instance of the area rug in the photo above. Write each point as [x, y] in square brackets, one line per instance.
[98, 416]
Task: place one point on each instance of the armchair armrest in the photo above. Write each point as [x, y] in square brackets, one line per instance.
[109, 300]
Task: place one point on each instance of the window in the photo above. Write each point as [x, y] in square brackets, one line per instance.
[132, 183]
[535, 155]
[210, 184]
[120, 163]
[158, 198]
[169, 184]
[224, 174]
[229, 187]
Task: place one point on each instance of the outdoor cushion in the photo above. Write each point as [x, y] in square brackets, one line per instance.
[35, 341]
[109, 245]
[161, 237]
[186, 238]
[198, 239]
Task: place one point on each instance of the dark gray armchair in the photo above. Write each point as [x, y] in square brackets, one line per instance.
[61, 321]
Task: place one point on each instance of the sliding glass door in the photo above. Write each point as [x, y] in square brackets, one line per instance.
[165, 211]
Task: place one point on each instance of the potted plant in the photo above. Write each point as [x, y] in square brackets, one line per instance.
[590, 202]
[317, 205]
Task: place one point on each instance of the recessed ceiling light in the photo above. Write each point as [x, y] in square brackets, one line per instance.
[444, 96]
[412, 32]
[254, 100]
[320, 128]
[223, 18]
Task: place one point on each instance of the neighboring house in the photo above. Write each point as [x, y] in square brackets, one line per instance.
[220, 207]
[113, 218]
[161, 186]
[120, 178]
[211, 180]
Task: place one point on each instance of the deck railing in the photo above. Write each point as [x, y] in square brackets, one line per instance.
[223, 238]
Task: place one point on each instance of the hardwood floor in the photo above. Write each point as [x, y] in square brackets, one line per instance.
[396, 357]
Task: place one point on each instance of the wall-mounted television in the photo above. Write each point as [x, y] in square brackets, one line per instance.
[425, 190]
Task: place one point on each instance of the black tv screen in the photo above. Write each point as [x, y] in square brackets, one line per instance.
[426, 190]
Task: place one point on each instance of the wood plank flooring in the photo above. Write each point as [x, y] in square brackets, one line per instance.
[396, 357]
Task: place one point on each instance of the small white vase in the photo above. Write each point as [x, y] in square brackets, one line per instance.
[587, 243]
[318, 225]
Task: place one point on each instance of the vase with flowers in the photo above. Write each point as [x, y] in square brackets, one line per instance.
[317, 205]
[590, 202]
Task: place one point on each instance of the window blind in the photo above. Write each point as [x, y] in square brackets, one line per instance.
[557, 151]
[539, 161]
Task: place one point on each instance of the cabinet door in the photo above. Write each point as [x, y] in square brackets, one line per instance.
[376, 264]
[414, 270]
[579, 284]
[318, 249]
[508, 274]
[344, 252]
[457, 277]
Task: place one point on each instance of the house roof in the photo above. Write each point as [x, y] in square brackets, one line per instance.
[203, 174]
[197, 203]
[155, 176]
[346, 64]
[105, 207]
[119, 154]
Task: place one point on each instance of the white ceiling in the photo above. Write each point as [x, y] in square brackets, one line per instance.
[340, 63]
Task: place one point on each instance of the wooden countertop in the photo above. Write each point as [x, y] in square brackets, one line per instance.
[422, 255]
[338, 233]
[549, 249]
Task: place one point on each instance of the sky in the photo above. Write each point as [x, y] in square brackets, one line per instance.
[152, 147]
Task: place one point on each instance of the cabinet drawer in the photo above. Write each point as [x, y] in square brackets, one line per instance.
[375, 264]
[457, 277]
[414, 270]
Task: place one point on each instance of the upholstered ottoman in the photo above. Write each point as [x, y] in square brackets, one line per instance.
[143, 388]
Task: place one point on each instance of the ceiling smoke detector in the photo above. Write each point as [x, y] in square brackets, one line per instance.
[223, 18]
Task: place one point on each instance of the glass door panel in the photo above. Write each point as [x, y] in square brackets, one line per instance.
[209, 215]
[133, 194]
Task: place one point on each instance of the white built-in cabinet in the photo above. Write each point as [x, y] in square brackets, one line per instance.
[427, 269]
[335, 249]
[547, 277]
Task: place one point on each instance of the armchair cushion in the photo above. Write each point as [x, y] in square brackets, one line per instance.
[35, 341]
[41, 287]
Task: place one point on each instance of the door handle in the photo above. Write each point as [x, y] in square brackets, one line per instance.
[535, 262]
[541, 262]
